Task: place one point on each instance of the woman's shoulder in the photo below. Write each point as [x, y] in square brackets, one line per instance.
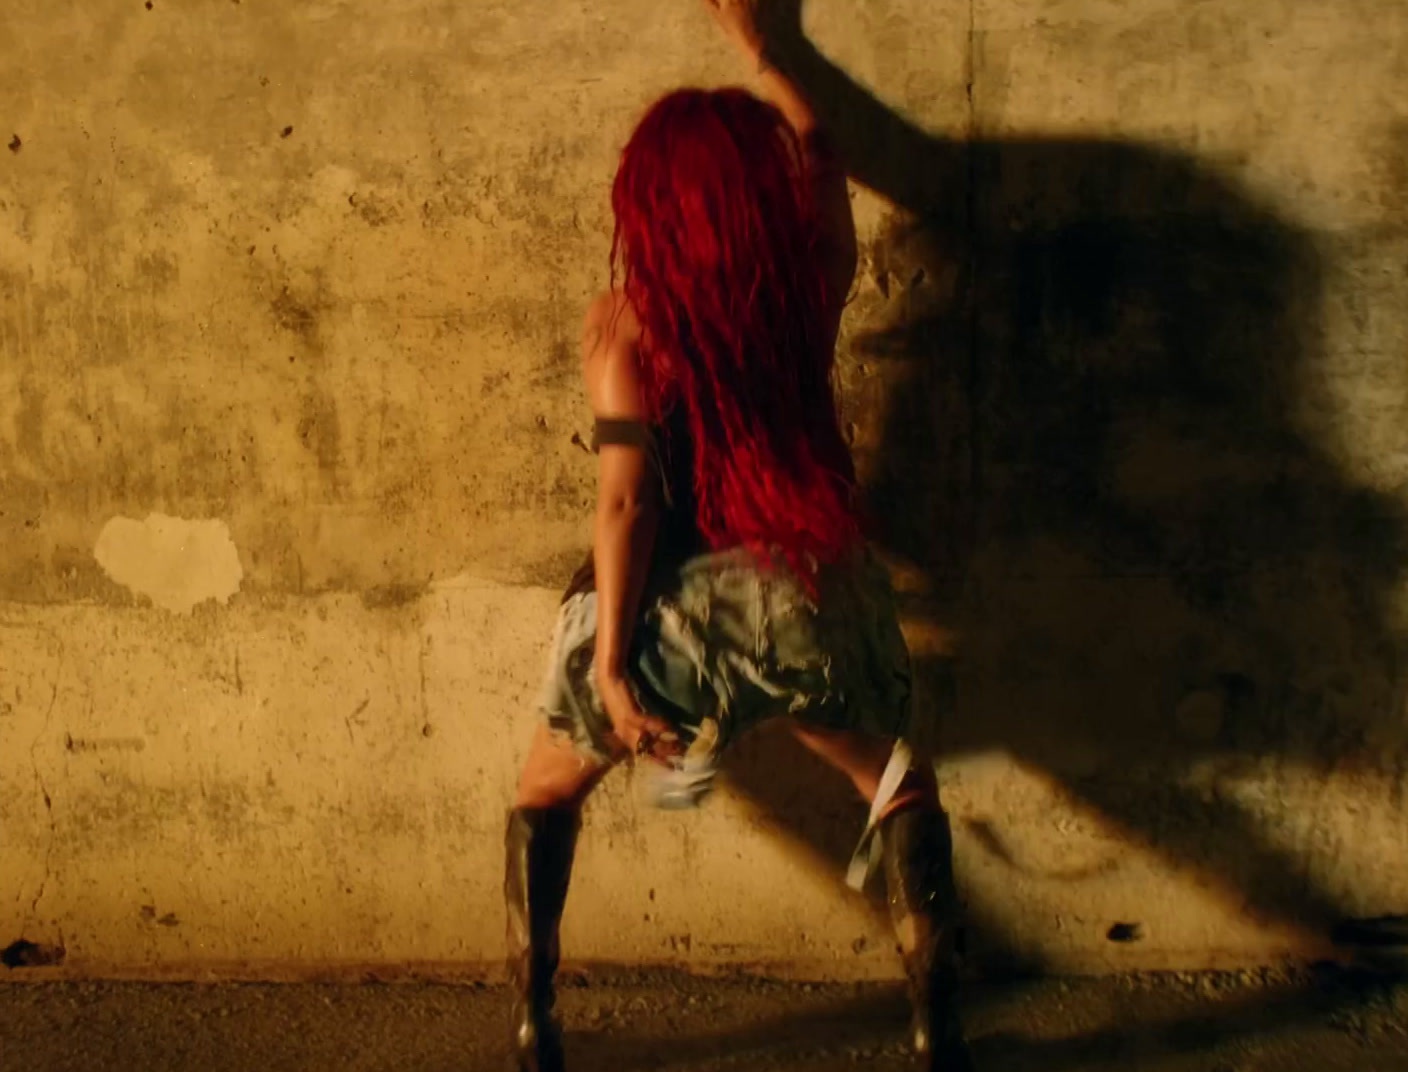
[611, 321]
[610, 338]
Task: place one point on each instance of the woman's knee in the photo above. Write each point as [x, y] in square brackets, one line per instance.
[556, 774]
[917, 789]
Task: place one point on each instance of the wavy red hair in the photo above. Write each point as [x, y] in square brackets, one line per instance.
[716, 244]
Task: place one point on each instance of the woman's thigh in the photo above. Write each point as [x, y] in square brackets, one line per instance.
[861, 757]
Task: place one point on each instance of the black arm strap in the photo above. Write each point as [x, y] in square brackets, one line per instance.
[621, 432]
[630, 432]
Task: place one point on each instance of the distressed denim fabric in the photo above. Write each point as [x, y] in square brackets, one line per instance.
[729, 644]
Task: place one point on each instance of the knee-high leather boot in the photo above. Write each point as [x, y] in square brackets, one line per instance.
[917, 849]
[540, 843]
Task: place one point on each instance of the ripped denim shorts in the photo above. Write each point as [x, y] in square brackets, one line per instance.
[728, 644]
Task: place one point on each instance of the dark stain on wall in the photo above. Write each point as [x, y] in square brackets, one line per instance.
[27, 954]
[29, 421]
[157, 271]
[320, 432]
[296, 314]
[148, 914]
[392, 596]
[375, 209]
[1394, 163]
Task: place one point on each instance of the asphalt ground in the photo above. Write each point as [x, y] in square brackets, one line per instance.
[1325, 1022]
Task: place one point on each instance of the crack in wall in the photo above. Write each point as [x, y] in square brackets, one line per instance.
[426, 728]
[33, 912]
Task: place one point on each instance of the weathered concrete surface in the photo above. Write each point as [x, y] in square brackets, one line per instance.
[302, 282]
[668, 1022]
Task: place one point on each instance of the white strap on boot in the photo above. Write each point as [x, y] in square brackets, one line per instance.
[866, 858]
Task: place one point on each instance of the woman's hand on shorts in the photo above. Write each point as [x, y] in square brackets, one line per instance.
[639, 734]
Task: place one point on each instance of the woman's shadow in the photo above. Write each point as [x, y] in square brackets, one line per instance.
[1104, 457]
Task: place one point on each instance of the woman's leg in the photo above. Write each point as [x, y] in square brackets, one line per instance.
[540, 842]
[917, 850]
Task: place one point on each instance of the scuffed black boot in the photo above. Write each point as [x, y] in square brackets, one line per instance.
[918, 853]
[540, 843]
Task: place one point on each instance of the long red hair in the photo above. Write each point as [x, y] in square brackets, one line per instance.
[716, 245]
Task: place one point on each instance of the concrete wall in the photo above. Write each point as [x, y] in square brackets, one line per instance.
[289, 476]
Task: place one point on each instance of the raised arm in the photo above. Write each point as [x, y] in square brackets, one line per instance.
[741, 23]
[739, 20]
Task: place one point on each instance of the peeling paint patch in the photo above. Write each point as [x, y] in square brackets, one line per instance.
[174, 562]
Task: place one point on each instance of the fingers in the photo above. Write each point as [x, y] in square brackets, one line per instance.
[734, 15]
[650, 738]
[637, 732]
[657, 740]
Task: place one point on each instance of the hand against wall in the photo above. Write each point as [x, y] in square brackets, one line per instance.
[739, 21]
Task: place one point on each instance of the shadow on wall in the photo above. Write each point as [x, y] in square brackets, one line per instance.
[1096, 379]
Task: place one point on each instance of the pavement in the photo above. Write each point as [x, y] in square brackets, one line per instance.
[1322, 1021]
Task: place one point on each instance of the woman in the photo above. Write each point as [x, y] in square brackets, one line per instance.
[729, 580]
